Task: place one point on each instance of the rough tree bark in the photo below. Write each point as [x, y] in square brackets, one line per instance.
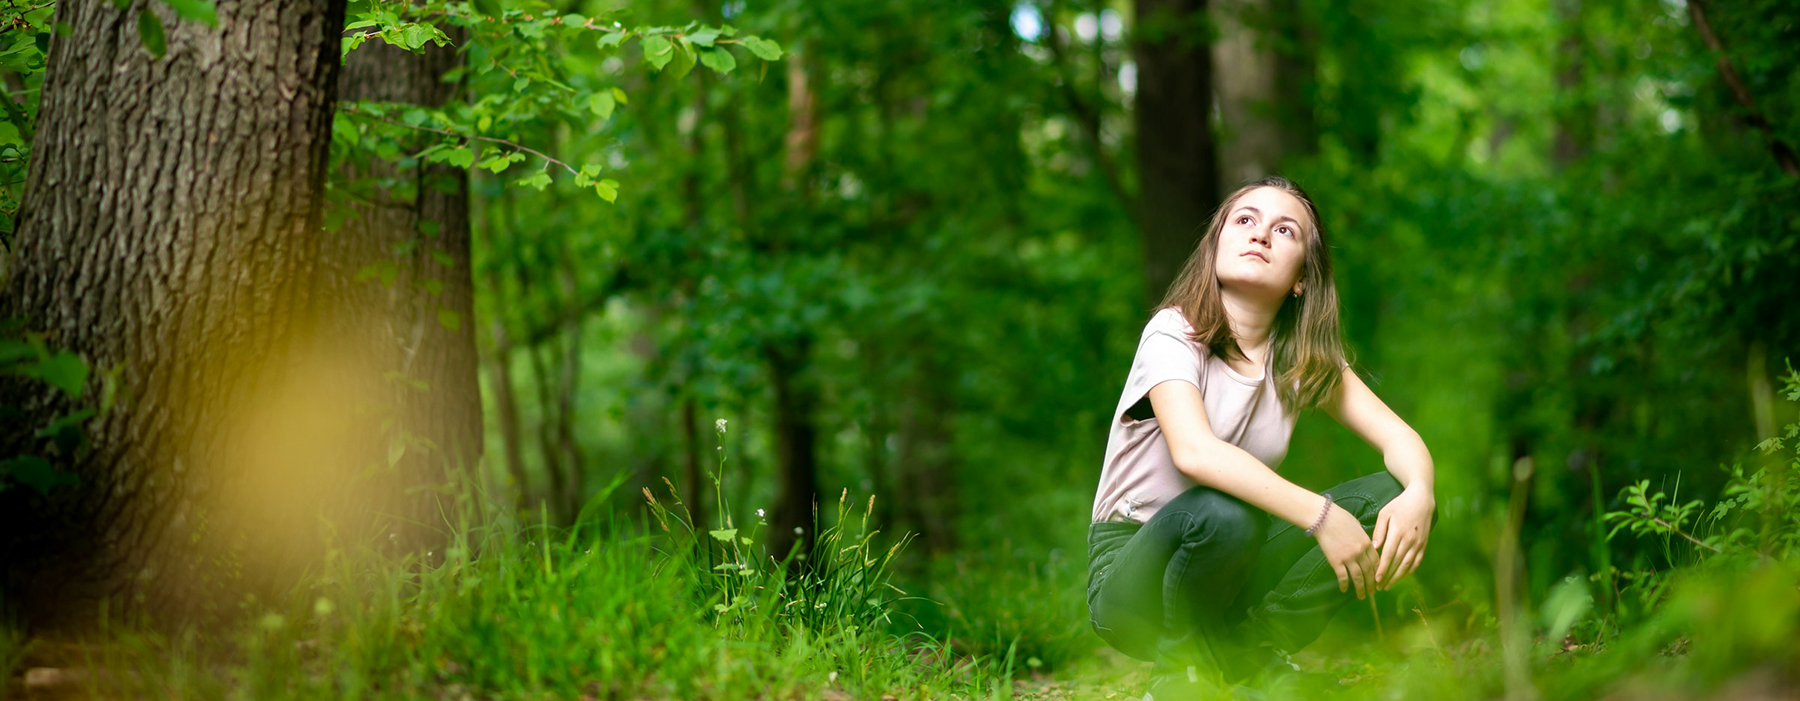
[170, 223]
[1178, 185]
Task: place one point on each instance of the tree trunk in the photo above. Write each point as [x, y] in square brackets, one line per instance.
[796, 446]
[405, 344]
[1573, 116]
[1178, 184]
[1246, 77]
[506, 407]
[1263, 72]
[170, 224]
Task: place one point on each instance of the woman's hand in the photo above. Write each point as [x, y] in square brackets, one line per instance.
[1401, 531]
[1347, 548]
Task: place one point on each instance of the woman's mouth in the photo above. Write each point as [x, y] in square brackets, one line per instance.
[1258, 254]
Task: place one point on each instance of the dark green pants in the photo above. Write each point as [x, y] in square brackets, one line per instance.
[1209, 580]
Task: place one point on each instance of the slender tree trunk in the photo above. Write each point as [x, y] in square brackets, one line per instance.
[407, 341]
[1263, 73]
[570, 501]
[169, 229]
[1573, 116]
[925, 455]
[1246, 75]
[796, 445]
[690, 478]
[1177, 176]
[506, 407]
[796, 394]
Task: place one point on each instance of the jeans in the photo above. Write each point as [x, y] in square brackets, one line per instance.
[1210, 581]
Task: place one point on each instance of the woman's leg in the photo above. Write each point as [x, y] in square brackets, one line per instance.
[1292, 591]
[1165, 596]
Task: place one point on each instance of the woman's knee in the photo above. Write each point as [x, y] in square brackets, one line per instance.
[1219, 518]
[1366, 495]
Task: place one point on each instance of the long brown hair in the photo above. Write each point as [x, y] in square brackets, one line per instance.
[1308, 358]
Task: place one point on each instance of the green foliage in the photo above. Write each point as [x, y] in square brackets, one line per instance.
[523, 69]
[64, 438]
[842, 587]
[1757, 518]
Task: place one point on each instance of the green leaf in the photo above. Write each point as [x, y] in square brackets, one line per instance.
[620, 96]
[611, 40]
[443, 257]
[449, 319]
[490, 8]
[461, 157]
[36, 473]
[719, 60]
[608, 190]
[704, 37]
[684, 58]
[65, 371]
[724, 534]
[601, 103]
[764, 49]
[197, 10]
[414, 36]
[12, 351]
[537, 181]
[658, 51]
[150, 30]
[520, 84]
[66, 431]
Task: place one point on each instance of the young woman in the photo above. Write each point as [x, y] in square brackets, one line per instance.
[1203, 558]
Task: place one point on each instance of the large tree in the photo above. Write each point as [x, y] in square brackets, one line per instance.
[170, 227]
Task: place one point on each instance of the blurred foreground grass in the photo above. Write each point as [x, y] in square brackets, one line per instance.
[519, 612]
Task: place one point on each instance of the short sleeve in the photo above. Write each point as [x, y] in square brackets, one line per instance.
[1163, 354]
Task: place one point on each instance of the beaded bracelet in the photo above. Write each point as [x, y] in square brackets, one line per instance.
[1322, 511]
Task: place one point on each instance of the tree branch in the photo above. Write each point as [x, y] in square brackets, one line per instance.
[1784, 154]
[473, 137]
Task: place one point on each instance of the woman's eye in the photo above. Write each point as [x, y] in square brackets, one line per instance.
[1285, 231]
[1243, 220]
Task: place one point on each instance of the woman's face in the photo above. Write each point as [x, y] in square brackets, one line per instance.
[1263, 244]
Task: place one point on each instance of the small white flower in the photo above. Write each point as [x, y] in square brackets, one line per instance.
[798, 530]
[760, 514]
[720, 424]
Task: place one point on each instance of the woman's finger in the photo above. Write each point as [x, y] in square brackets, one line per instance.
[1417, 557]
[1406, 568]
[1400, 566]
[1343, 574]
[1390, 560]
[1356, 576]
[1386, 559]
[1381, 529]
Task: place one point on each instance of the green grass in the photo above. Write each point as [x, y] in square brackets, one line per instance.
[518, 611]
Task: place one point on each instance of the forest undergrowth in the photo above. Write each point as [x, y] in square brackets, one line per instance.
[627, 608]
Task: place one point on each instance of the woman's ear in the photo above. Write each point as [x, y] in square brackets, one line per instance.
[1299, 289]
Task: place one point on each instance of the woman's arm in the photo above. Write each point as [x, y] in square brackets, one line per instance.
[1404, 525]
[1200, 455]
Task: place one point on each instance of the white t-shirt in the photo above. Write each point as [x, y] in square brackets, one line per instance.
[1138, 475]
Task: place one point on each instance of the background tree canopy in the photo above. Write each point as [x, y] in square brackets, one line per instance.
[755, 257]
